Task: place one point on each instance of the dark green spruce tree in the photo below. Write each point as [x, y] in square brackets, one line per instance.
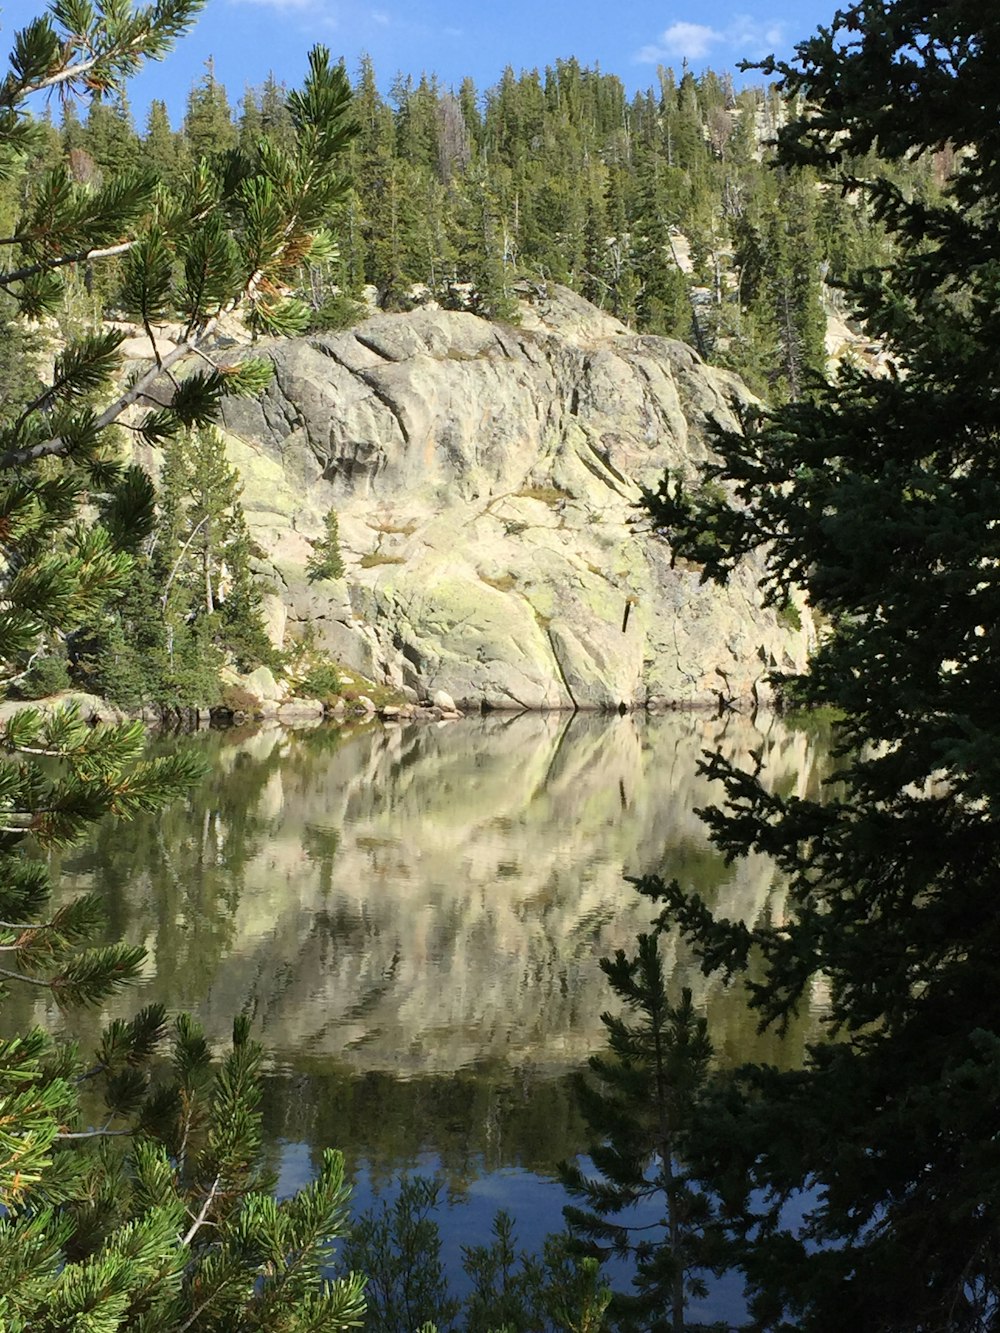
[879, 499]
[132, 1194]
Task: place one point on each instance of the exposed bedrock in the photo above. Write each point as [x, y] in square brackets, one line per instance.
[485, 478]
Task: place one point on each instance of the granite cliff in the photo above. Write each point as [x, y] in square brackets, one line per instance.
[485, 479]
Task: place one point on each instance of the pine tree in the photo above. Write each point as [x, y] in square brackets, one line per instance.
[160, 148]
[642, 1105]
[326, 562]
[70, 129]
[662, 304]
[109, 136]
[204, 550]
[879, 498]
[276, 120]
[208, 120]
[484, 247]
[132, 1196]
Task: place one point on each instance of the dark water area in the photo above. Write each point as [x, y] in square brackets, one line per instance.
[414, 918]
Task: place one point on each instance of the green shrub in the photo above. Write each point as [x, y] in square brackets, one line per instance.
[337, 312]
[789, 616]
[322, 681]
[238, 701]
[374, 558]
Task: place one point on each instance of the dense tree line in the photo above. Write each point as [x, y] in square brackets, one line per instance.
[658, 207]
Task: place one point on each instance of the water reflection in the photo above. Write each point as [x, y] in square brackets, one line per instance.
[419, 900]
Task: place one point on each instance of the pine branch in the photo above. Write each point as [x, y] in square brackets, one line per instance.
[57, 446]
[65, 75]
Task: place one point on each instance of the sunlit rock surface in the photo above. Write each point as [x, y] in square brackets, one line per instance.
[485, 478]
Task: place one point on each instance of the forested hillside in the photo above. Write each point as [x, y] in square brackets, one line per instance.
[658, 207]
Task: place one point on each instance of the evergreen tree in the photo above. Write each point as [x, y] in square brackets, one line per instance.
[468, 99]
[251, 126]
[326, 561]
[275, 118]
[208, 120]
[70, 129]
[662, 302]
[385, 186]
[160, 148]
[879, 498]
[132, 1197]
[109, 136]
[642, 1105]
[209, 599]
[620, 268]
[485, 248]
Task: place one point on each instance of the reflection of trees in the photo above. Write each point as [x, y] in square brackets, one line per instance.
[421, 899]
[475, 1120]
[175, 879]
[321, 846]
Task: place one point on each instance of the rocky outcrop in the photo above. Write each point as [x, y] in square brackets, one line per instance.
[485, 479]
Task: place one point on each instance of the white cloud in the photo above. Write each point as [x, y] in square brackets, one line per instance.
[285, 6]
[753, 38]
[691, 40]
[743, 37]
[380, 17]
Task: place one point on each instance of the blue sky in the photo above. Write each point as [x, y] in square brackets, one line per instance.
[250, 38]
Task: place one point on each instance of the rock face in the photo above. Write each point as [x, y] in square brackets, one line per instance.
[485, 479]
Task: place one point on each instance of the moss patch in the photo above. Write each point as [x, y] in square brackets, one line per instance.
[549, 495]
[377, 558]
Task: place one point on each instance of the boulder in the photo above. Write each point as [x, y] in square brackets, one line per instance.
[294, 710]
[262, 685]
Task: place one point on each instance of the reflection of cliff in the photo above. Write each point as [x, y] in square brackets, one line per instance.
[423, 898]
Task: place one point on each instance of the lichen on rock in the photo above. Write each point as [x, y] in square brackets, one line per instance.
[485, 480]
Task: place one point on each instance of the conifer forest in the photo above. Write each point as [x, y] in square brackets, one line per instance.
[850, 1186]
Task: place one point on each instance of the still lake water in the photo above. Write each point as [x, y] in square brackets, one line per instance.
[414, 916]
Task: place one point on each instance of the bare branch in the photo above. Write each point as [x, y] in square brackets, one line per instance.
[95, 1134]
[61, 261]
[177, 562]
[20, 976]
[199, 1221]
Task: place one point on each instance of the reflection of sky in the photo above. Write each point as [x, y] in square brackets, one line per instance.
[535, 1202]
